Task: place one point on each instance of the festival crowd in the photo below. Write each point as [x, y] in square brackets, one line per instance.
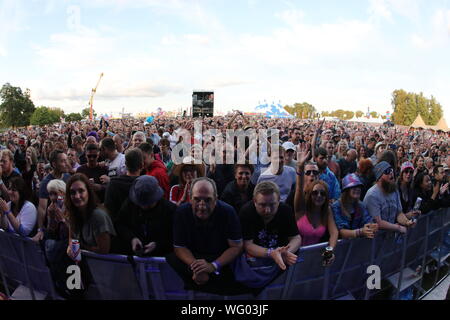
[115, 186]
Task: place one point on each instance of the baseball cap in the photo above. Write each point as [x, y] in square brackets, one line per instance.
[145, 191]
[288, 146]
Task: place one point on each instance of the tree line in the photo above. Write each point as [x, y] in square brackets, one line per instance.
[406, 105]
[18, 110]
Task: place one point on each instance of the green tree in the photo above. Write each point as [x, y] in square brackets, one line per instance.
[59, 112]
[374, 114]
[85, 113]
[302, 110]
[43, 116]
[407, 106]
[359, 114]
[74, 117]
[16, 107]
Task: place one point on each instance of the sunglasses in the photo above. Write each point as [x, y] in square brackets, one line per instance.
[312, 172]
[92, 156]
[388, 171]
[316, 193]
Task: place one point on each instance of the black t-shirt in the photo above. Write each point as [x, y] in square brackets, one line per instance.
[273, 235]
[93, 173]
[206, 237]
[6, 179]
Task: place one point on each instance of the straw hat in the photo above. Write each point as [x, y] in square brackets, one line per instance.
[190, 161]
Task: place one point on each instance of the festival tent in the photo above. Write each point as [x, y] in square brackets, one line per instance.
[441, 125]
[273, 111]
[419, 123]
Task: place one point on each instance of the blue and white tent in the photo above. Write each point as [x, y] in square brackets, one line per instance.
[273, 111]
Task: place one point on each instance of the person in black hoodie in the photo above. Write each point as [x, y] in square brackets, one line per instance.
[119, 187]
[145, 220]
[423, 188]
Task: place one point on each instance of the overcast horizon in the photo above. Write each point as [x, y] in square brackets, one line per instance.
[347, 55]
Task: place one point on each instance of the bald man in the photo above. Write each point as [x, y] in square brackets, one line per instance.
[347, 165]
[207, 238]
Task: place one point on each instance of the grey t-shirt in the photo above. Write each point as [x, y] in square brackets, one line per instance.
[378, 203]
[98, 223]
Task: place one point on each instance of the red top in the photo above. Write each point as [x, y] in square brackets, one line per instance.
[158, 170]
[176, 193]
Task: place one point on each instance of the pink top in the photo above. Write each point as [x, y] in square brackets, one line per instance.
[309, 235]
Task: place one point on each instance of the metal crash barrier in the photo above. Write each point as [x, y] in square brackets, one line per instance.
[116, 277]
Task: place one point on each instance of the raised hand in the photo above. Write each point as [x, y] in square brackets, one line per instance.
[303, 153]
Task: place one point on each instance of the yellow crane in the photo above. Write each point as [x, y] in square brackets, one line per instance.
[91, 100]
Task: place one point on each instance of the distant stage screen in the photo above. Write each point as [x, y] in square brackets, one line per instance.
[203, 104]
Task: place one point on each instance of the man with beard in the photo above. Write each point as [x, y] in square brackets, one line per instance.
[327, 175]
[383, 201]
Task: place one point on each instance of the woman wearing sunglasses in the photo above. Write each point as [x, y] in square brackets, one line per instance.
[314, 218]
[351, 216]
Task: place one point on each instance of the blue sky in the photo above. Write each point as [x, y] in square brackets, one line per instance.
[332, 54]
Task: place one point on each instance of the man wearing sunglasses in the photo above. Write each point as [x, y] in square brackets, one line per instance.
[383, 201]
[93, 170]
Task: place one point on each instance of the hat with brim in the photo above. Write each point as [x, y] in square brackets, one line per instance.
[407, 165]
[145, 191]
[350, 181]
[379, 144]
[190, 162]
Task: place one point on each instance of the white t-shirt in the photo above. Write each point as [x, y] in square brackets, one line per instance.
[285, 181]
[27, 218]
[117, 167]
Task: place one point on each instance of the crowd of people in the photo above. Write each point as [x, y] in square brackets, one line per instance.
[116, 187]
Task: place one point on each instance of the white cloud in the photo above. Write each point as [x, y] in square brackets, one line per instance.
[12, 19]
[438, 35]
[379, 8]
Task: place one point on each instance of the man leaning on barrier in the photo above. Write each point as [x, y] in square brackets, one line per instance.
[207, 237]
[383, 201]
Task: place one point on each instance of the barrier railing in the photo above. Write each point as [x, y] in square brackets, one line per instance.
[120, 277]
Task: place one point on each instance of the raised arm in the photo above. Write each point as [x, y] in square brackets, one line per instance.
[303, 154]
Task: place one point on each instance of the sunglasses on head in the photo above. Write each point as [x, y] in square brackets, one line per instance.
[319, 192]
[312, 172]
[388, 171]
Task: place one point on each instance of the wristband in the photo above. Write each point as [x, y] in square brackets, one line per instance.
[41, 230]
[269, 252]
[217, 266]
[7, 212]
[301, 174]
